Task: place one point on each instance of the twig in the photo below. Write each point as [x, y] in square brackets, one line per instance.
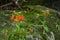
[52, 37]
[6, 5]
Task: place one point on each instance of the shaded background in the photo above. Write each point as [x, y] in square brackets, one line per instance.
[54, 4]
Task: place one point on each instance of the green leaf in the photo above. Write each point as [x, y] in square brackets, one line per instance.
[58, 27]
[46, 29]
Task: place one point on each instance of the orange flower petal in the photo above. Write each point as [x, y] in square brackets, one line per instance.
[16, 20]
[21, 17]
[12, 17]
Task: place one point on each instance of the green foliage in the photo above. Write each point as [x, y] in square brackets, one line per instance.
[36, 22]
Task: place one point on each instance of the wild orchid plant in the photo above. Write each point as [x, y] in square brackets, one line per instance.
[18, 33]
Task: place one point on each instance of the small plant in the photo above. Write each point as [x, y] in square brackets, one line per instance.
[18, 33]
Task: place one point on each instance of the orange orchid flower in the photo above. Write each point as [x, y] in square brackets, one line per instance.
[17, 18]
[21, 17]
